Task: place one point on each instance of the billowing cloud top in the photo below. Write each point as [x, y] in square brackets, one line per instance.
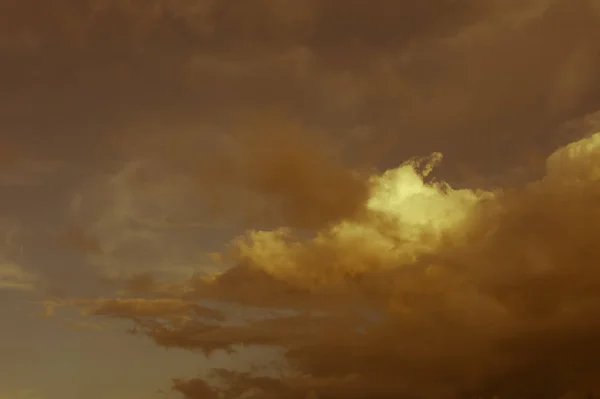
[427, 291]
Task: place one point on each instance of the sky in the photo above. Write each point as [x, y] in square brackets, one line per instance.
[309, 199]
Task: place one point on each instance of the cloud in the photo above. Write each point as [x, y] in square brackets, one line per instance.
[150, 213]
[28, 173]
[429, 291]
[474, 72]
[499, 67]
[22, 394]
[9, 154]
[267, 21]
[14, 277]
[367, 290]
[140, 308]
[18, 168]
[136, 218]
[281, 170]
[195, 389]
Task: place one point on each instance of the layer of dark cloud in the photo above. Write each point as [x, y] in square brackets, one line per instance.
[499, 76]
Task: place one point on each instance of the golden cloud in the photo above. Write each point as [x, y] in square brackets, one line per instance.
[425, 291]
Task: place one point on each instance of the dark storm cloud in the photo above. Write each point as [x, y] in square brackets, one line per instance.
[498, 76]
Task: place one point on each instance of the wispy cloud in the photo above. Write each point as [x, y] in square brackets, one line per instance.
[14, 277]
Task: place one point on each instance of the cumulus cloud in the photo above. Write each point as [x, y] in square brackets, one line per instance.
[428, 291]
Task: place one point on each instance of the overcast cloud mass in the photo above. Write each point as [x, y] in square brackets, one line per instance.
[312, 199]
